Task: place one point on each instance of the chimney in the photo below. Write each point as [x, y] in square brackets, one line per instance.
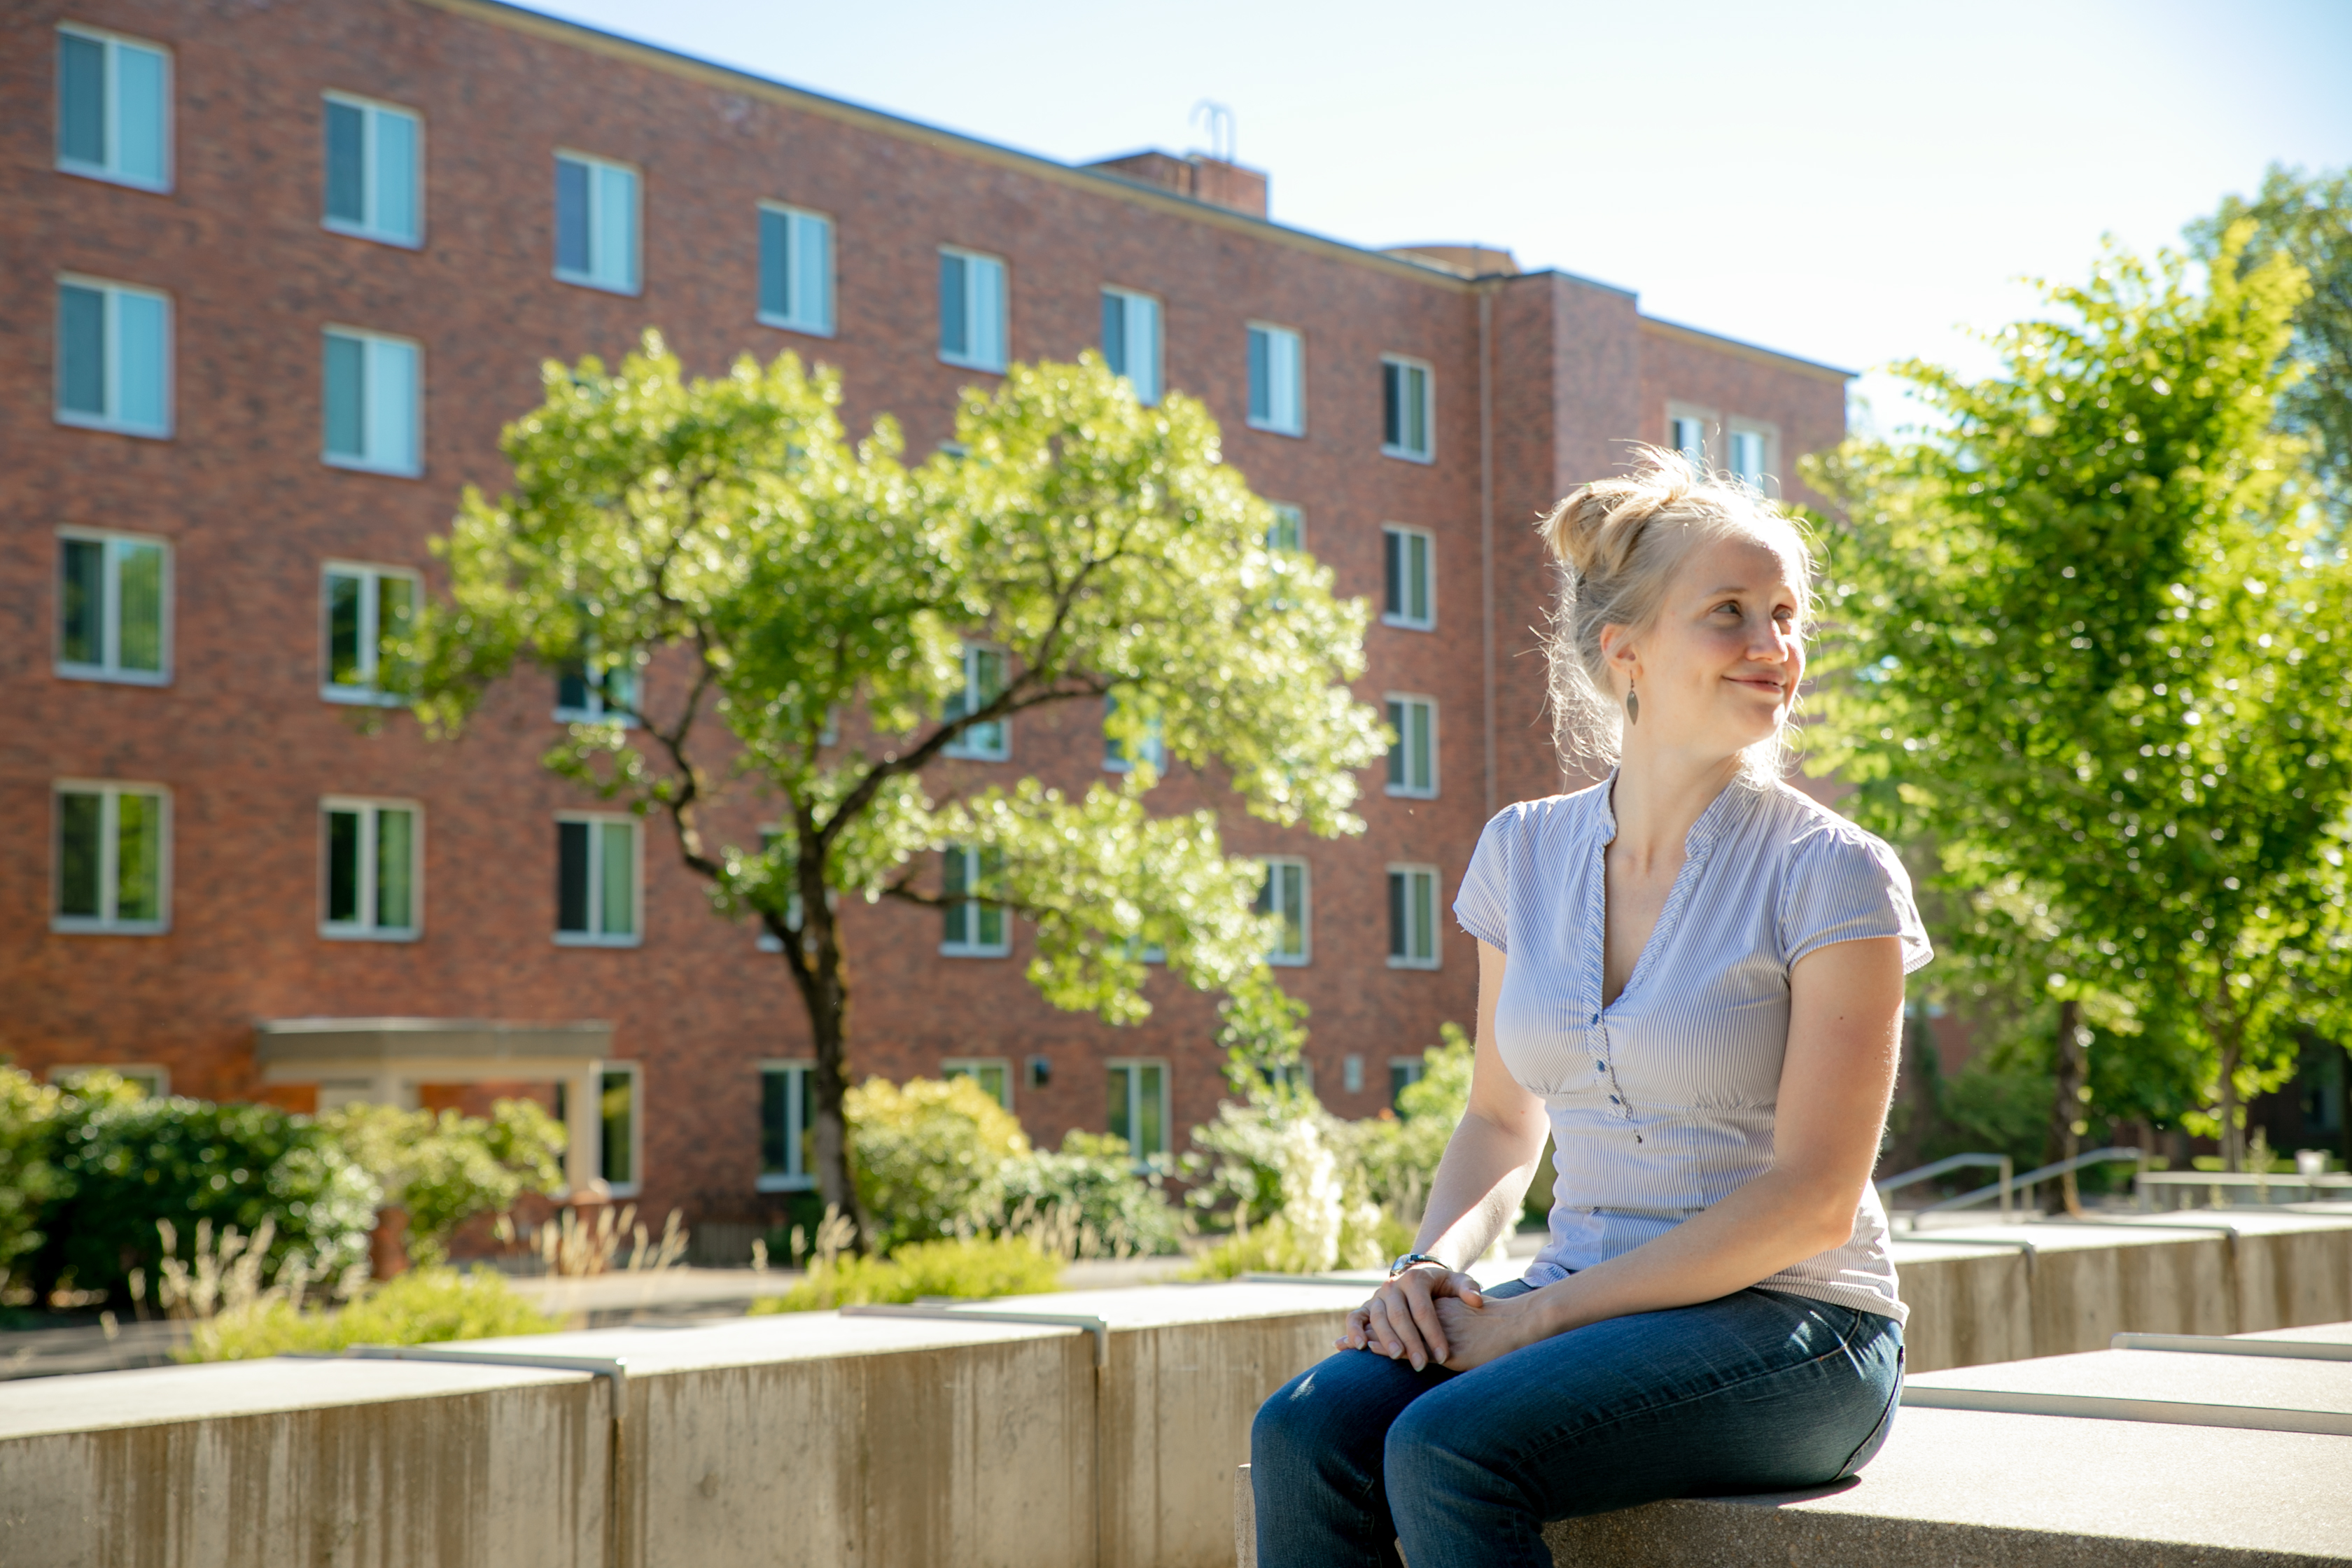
[1199, 176]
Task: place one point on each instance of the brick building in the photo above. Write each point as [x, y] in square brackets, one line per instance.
[271, 277]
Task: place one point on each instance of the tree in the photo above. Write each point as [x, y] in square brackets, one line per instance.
[838, 625]
[2096, 657]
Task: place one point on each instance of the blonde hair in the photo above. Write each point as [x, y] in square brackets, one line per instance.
[1619, 542]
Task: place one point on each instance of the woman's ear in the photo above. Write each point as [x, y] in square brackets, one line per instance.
[1620, 651]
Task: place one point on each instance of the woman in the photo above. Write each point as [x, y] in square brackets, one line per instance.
[1690, 976]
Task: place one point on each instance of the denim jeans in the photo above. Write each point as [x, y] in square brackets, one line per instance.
[1757, 1392]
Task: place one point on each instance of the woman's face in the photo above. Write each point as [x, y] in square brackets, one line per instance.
[1720, 668]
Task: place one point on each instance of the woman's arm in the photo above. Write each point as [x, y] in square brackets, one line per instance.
[1472, 1199]
[1845, 1007]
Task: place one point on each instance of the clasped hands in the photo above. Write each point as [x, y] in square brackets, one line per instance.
[1432, 1314]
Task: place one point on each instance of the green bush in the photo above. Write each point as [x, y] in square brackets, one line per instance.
[29, 1182]
[445, 1169]
[1272, 1248]
[977, 1269]
[126, 1163]
[930, 1156]
[424, 1306]
[1090, 1198]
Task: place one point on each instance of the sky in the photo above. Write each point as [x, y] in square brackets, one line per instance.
[1857, 184]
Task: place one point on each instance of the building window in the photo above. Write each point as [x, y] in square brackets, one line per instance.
[621, 1151]
[1412, 760]
[1412, 917]
[1404, 409]
[971, 310]
[372, 400]
[795, 269]
[599, 690]
[793, 911]
[1139, 1107]
[1289, 530]
[367, 610]
[993, 1074]
[1131, 334]
[1277, 381]
[597, 902]
[1120, 756]
[373, 188]
[1750, 454]
[1686, 433]
[374, 861]
[1408, 596]
[113, 858]
[114, 606]
[114, 357]
[787, 1112]
[1403, 1073]
[114, 108]
[151, 1080]
[1351, 1074]
[1284, 895]
[984, 683]
[973, 929]
[595, 222]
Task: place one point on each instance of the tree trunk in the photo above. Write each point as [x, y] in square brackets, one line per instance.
[826, 997]
[2066, 1105]
[2233, 1137]
[2344, 1104]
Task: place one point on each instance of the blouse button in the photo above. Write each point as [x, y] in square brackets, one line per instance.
[1612, 1100]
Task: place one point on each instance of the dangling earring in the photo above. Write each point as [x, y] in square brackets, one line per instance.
[1632, 705]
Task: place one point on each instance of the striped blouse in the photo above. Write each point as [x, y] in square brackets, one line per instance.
[1662, 1103]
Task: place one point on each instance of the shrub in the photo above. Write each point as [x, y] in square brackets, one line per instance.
[975, 1268]
[929, 1157]
[29, 1182]
[1087, 1200]
[128, 1163]
[1275, 1249]
[1282, 1153]
[424, 1306]
[1399, 1153]
[445, 1169]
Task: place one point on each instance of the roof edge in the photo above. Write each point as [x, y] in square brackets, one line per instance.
[1659, 327]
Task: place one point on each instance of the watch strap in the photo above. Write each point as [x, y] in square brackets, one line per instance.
[1410, 1258]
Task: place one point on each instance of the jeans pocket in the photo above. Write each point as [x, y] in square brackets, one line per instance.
[1869, 1447]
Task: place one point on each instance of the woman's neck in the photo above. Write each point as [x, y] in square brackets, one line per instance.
[1659, 793]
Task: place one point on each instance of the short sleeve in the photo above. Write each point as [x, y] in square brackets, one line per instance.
[1483, 906]
[1846, 885]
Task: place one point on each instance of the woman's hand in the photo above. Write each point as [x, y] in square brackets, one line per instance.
[1479, 1329]
[1401, 1320]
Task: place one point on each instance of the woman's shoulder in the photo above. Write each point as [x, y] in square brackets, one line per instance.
[1548, 818]
[1808, 828]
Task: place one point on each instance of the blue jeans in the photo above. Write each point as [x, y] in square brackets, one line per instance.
[1757, 1392]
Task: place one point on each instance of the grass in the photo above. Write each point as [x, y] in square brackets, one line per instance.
[976, 1269]
[424, 1306]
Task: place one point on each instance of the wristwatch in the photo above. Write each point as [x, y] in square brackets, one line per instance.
[1408, 1260]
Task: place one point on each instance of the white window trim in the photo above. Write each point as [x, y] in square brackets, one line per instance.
[155, 1076]
[1428, 554]
[597, 713]
[636, 1076]
[375, 105]
[808, 326]
[1005, 307]
[1142, 1158]
[1351, 1074]
[109, 849]
[1306, 912]
[1710, 426]
[66, 165]
[371, 633]
[1406, 791]
[951, 1065]
[637, 937]
[365, 929]
[1154, 747]
[1415, 1067]
[1002, 947]
[769, 831]
[1158, 341]
[636, 284]
[111, 671]
[1428, 412]
[798, 1072]
[1769, 482]
[962, 748]
[81, 421]
[1297, 516]
[1269, 424]
[1436, 917]
[414, 470]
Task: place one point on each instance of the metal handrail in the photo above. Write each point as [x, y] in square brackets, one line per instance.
[2043, 1173]
[1954, 1163]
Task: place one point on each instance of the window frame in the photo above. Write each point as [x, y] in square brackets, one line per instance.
[110, 669]
[597, 819]
[1768, 438]
[964, 748]
[1272, 423]
[1410, 870]
[111, 348]
[1154, 747]
[1275, 957]
[1404, 534]
[635, 1073]
[974, 948]
[365, 929]
[593, 162]
[597, 713]
[807, 326]
[369, 341]
[798, 1074]
[109, 792]
[1406, 366]
[371, 695]
[969, 360]
[1143, 1159]
[1403, 1073]
[971, 1066]
[1295, 517]
[110, 128]
[1351, 1074]
[1710, 433]
[1127, 300]
[1407, 790]
[372, 108]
